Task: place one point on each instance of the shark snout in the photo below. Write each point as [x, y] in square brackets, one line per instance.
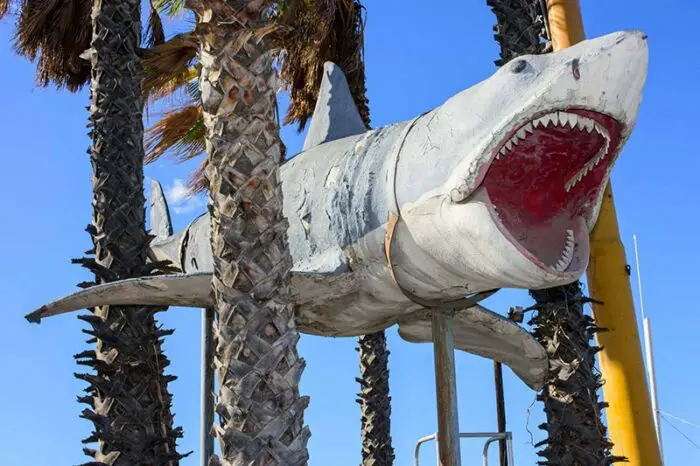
[615, 72]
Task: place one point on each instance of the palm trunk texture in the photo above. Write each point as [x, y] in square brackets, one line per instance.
[130, 406]
[259, 406]
[375, 400]
[576, 434]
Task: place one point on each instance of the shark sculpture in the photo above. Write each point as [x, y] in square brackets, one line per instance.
[498, 187]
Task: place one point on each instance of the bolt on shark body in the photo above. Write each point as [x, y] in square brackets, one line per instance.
[498, 187]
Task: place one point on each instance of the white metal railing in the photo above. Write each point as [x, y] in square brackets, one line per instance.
[490, 437]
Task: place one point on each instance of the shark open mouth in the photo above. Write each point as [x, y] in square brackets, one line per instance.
[545, 181]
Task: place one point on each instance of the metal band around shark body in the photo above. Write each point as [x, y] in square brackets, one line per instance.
[395, 218]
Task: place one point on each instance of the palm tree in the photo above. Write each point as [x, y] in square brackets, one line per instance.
[576, 434]
[377, 449]
[236, 123]
[76, 42]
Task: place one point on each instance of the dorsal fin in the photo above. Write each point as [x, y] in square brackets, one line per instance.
[335, 115]
[161, 225]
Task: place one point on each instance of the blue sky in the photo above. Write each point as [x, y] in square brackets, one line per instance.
[417, 55]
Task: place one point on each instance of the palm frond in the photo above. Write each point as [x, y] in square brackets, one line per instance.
[170, 7]
[193, 89]
[184, 83]
[4, 8]
[155, 34]
[179, 134]
[198, 182]
[56, 33]
[169, 66]
[316, 31]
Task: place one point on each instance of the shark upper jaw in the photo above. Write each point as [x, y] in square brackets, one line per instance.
[543, 184]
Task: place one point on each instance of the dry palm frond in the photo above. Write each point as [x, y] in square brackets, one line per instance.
[56, 32]
[155, 34]
[198, 182]
[4, 8]
[180, 133]
[184, 81]
[168, 66]
[317, 31]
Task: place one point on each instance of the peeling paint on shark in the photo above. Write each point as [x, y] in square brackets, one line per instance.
[498, 187]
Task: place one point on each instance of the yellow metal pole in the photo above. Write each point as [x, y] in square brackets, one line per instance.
[630, 419]
[630, 416]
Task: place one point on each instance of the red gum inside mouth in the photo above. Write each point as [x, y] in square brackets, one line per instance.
[547, 175]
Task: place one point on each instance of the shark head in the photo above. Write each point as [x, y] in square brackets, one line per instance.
[526, 155]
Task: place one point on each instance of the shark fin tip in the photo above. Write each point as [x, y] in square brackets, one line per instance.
[335, 115]
[34, 317]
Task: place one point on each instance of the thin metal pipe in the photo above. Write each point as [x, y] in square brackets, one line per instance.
[639, 276]
[648, 351]
[509, 441]
[416, 451]
[446, 389]
[500, 411]
[206, 440]
[485, 451]
[492, 436]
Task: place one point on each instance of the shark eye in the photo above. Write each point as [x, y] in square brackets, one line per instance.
[518, 66]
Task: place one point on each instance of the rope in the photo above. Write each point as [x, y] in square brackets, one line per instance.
[395, 218]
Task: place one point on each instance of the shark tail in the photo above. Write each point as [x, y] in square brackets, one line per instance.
[190, 290]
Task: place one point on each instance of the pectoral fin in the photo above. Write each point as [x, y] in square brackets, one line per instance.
[187, 290]
[479, 331]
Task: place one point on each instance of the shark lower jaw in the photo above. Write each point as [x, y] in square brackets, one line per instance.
[545, 183]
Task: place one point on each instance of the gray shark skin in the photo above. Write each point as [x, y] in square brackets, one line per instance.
[422, 208]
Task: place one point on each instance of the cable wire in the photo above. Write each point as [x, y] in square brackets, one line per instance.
[680, 431]
[678, 419]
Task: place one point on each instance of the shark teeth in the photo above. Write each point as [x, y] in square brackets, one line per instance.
[567, 254]
[562, 120]
[591, 164]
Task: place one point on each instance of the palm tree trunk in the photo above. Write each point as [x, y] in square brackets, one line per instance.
[375, 401]
[260, 410]
[130, 403]
[576, 434]
[519, 28]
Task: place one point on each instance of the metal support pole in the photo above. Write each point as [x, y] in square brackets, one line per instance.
[446, 389]
[500, 412]
[206, 440]
[630, 420]
[630, 415]
[649, 352]
[652, 382]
